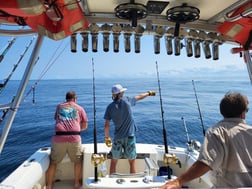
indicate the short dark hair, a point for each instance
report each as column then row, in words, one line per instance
column 70, row 95
column 233, row 104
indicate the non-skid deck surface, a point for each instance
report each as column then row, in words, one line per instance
column 64, row 185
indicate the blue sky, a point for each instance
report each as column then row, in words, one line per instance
column 67, row 65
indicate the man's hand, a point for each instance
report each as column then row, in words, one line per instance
column 151, row 93
column 108, row 141
column 171, row 184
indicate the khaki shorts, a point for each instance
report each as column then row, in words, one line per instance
column 60, row 149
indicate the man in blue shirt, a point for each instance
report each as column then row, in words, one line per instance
column 119, row 111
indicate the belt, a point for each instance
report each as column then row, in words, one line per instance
column 67, row 133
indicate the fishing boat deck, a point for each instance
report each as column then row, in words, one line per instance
column 66, row 184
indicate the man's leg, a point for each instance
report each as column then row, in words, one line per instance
column 77, row 174
column 50, row 175
column 113, row 166
column 132, row 163
column 130, row 152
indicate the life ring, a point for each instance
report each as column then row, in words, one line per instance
column 238, row 24
column 55, row 19
column 22, row 8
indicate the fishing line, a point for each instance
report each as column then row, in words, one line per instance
column 200, row 116
column 51, row 61
column 46, row 68
column 95, row 133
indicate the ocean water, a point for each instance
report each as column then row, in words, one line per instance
column 34, row 123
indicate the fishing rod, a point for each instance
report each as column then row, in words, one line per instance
column 200, row 116
column 95, row 133
column 10, row 43
column 186, row 131
column 162, row 112
column 191, row 144
column 167, row 157
column 16, row 65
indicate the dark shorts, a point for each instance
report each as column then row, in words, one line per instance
column 60, row 149
column 124, row 148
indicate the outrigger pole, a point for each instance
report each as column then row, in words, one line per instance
column 163, row 122
column 16, row 102
column 95, row 133
column 200, row 116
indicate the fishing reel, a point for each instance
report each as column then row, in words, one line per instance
column 171, row 159
column 193, row 145
column 97, row 159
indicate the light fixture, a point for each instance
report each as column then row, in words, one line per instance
column 131, row 11
column 128, row 32
column 73, row 43
column 168, row 41
column 159, row 33
column 94, row 29
column 106, row 32
column 181, row 15
column 116, row 29
column 139, row 32
column 84, row 41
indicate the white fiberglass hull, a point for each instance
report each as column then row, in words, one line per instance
column 31, row 174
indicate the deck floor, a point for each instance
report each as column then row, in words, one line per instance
column 64, row 185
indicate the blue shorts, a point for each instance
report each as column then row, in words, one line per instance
column 124, row 148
